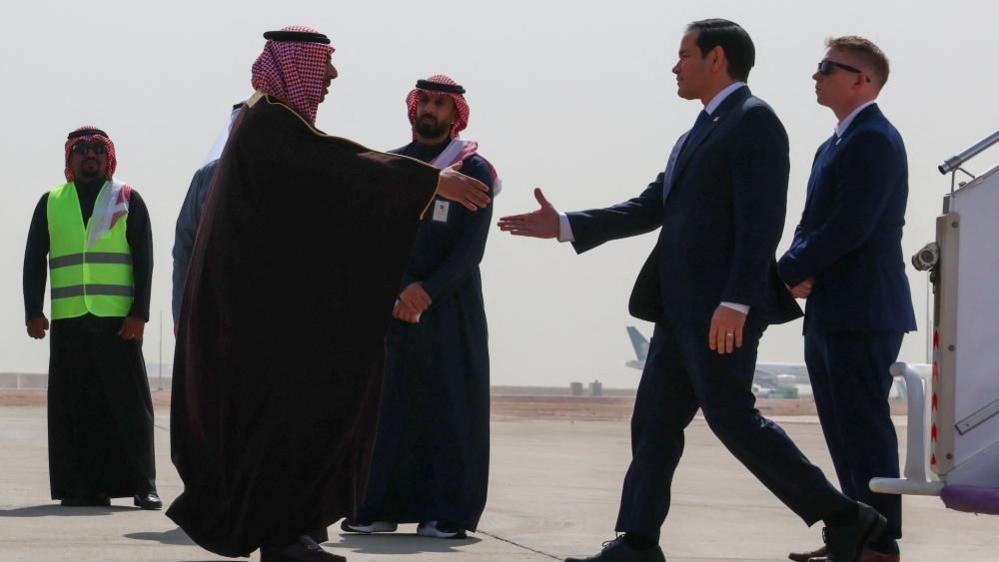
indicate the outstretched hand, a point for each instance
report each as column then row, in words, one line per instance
column 543, row 223
column 469, row 192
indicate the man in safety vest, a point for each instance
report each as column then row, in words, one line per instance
column 98, row 239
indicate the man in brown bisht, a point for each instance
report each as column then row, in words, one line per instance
column 278, row 370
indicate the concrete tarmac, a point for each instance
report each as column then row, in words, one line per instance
column 554, row 490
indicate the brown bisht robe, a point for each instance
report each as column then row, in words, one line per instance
column 278, row 366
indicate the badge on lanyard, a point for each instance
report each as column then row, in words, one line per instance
column 440, row 210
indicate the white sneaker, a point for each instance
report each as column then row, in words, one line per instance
column 376, row 527
column 430, row 529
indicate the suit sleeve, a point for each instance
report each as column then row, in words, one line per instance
column 799, row 230
column 869, row 165
column 469, row 248
column 633, row 217
column 186, row 228
column 760, row 168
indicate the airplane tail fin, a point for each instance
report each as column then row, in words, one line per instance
column 639, row 342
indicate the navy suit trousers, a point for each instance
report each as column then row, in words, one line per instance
column 681, row 375
column 850, row 379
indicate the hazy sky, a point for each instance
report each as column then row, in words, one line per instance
column 575, row 96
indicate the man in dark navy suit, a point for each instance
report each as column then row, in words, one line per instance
column 711, row 287
column 846, row 258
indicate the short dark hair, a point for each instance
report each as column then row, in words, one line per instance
column 734, row 41
column 864, row 49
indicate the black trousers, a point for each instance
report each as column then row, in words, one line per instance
column 431, row 456
column 681, row 375
column 100, row 413
column 851, row 381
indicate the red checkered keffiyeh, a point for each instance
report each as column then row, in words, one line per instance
column 91, row 134
column 293, row 72
column 459, row 102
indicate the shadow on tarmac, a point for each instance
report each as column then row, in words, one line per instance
column 174, row 536
column 398, row 543
column 56, row 510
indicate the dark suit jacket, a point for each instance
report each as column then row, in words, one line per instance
column 850, row 235
column 720, row 222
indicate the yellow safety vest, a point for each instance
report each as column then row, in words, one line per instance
column 97, row 280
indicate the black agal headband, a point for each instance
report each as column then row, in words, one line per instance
column 438, row 87
column 87, row 132
column 297, row 36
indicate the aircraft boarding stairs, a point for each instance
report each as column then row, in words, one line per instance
column 952, row 448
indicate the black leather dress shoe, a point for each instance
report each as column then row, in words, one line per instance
column 305, row 550
column 867, row 556
column 845, row 543
column 148, row 500
column 88, row 501
column 618, row 551
column 806, row 556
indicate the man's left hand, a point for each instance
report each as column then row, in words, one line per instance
column 803, row 290
column 132, row 328
column 725, row 334
column 405, row 313
column 416, row 297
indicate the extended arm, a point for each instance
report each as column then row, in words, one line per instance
column 591, row 228
column 635, row 216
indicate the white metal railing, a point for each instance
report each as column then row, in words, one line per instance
column 916, row 474
column 954, row 162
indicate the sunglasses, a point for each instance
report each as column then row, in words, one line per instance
column 82, row 148
column 826, row 67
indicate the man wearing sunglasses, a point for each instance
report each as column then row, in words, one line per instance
column 846, row 259
column 711, row 286
column 96, row 234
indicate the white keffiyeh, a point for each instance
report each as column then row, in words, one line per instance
column 457, row 151
column 110, row 207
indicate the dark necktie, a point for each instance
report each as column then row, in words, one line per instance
column 820, row 161
column 698, row 123
column 671, row 162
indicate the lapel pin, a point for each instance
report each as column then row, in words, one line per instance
column 838, row 140
column 716, row 119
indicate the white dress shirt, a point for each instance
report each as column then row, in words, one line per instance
column 843, row 125
column 565, row 228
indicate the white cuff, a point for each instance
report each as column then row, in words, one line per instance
column 736, row 306
column 565, row 229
